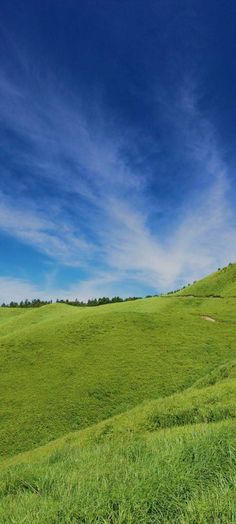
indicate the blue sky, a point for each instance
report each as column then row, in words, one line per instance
column 117, row 129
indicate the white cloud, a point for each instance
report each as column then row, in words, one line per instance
column 50, row 235
column 201, row 241
column 18, row 289
column 84, row 160
column 101, row 284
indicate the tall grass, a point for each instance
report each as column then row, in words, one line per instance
column 153, row 464
column 184, row 475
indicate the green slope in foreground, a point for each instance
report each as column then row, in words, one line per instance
column 168, row 461
column 222, row 283
column 119, row 414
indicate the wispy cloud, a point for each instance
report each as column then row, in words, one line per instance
column 53, row 237
column 203, row 234
column 18, row 289
column 201, row 240
column 98, row 209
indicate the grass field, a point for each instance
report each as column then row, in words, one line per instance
column 140, row 397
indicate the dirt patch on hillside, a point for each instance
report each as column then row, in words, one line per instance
column 210, row 319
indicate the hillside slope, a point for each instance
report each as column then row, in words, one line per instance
column 222, row 283
column 142, row 396
column 65, row 368
column 167, row 461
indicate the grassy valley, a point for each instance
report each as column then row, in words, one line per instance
column 123, row 413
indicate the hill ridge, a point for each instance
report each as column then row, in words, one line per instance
column 220, row 284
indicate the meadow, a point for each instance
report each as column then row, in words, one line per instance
column 120, row 414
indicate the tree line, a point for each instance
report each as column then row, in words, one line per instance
column 36, row 302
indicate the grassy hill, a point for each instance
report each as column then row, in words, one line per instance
column 222, row 283
column 170, row 461
column 119, row 414
column 65, row 368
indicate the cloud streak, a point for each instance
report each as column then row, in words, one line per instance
column 97, row 209
column 50, row 236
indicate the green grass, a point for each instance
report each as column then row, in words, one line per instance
column 222, row 283
column 120, row 414
column 65, row 368
column 154, row 464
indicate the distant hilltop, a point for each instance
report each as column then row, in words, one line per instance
column 222, row 283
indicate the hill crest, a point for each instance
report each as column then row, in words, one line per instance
column 221, row 283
